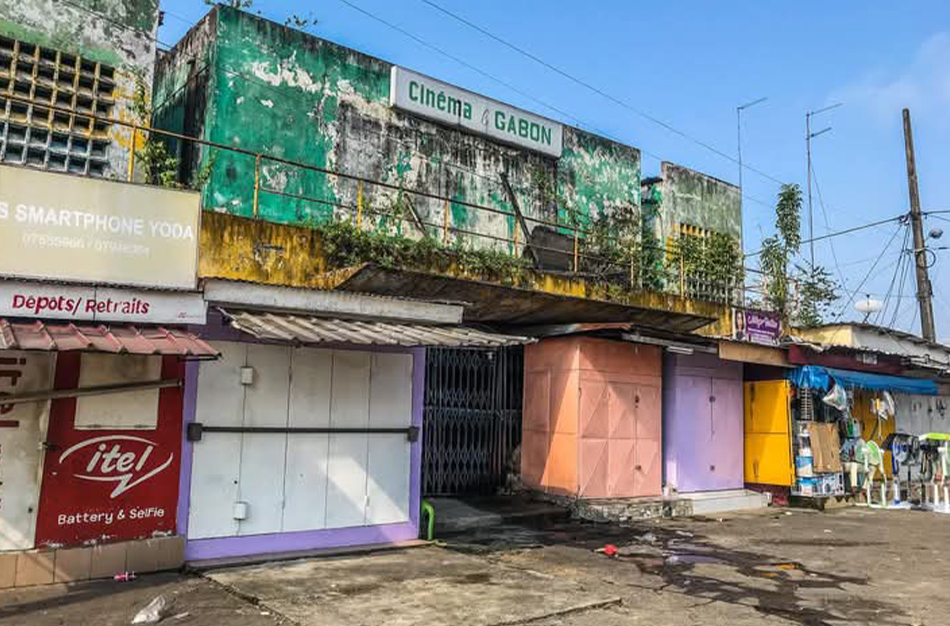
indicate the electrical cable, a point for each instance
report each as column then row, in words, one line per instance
column 905, row 272
column 581, row 123
column 422, row 42
column 890, row 288
column 868, row 275
column 847, row 231
column 824, row 213
column 601, row 92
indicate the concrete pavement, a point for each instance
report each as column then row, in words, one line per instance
column 846, row 567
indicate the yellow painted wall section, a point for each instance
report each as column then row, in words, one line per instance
column 237, row 248
column 240, row 248
column 872, row 429
column 836, row 335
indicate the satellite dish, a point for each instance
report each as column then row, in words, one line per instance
column 868, row 305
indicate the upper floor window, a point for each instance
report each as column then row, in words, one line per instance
column 46, row 99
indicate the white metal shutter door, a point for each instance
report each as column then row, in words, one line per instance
column 263, row 455
column 20, row 450
column 346, row 469
column 390, row 406
column 305, row 483
column 216, row 462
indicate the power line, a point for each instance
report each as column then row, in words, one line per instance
column 581, row 123
column 868, row 275
column 844, row 232
column 905, row 267
column 824, row 213
column 890, row 288
column 601, row 92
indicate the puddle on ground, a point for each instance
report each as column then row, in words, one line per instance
column 691, row 559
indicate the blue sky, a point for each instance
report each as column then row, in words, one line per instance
column 690, row 63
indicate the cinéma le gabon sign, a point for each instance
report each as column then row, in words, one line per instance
column 441, row 102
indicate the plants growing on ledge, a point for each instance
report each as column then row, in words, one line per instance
column 345, row 245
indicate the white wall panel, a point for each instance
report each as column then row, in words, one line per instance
column 131, row 410
column 263, row 456
column 349, row 408
column 20, row 450
column 301, row 481
column 388, row 483
column 388, row 459
column 217, row 457
column 391, row 390
column 305, row 488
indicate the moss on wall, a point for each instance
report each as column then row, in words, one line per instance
column 285, row 93
column 117, row 32
column 693, row 198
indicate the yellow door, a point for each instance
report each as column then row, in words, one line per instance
column 768, row 459
column 768, row 443
column 766, row 406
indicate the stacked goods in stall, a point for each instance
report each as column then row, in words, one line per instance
column 818, row 469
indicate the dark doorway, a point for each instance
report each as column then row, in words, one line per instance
column 472, row 421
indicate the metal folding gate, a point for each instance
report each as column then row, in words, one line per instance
column 472, row 420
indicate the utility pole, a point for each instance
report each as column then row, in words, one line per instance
column 924, row 288
column 808, row 137
column 739, row 110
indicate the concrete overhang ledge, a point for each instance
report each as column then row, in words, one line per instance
column 329, row 303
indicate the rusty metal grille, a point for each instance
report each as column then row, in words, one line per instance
column 33, row 133
column 472, row 420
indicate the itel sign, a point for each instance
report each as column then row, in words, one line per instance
column 109, row 485
column 120, row 459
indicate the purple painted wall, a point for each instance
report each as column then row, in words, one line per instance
column 702, row 423
column 225, row 547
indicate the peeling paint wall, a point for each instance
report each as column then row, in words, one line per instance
column 691, row 198
column 284, row 93
column 118, row 34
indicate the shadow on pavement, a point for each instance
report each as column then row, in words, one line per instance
column 689, row 563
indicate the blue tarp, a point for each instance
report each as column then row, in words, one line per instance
column 817, row 377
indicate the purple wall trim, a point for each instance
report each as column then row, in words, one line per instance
column 189, row 409
column 415, row 451
column 226, row 547
column 307, row 540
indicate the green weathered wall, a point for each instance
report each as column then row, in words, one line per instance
column 117, row 32
column 282, row 92
column 690, row 197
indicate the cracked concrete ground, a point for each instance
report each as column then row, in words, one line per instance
column 841, row 568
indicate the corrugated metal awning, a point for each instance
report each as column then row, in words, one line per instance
column 65, row 336
column 302, row 328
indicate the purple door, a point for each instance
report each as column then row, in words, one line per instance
column 726, row 441
column 692, row 433
column 706, row 438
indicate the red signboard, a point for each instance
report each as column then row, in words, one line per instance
column 109, row 485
